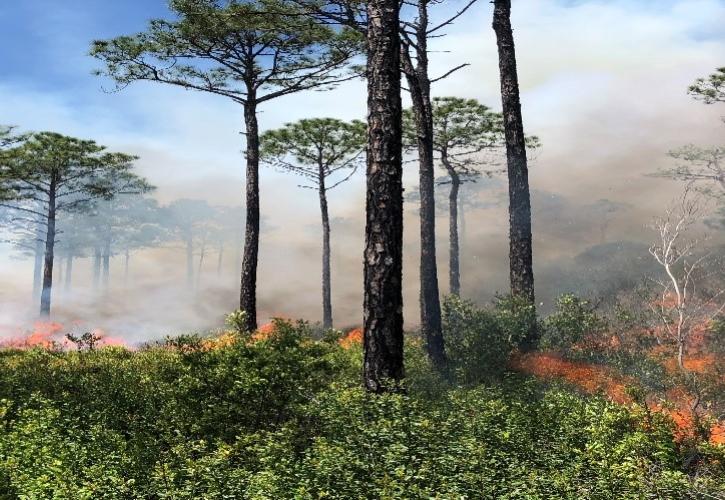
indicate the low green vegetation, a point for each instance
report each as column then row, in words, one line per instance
column 285, row 417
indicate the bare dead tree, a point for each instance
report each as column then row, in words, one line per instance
column 683, row 303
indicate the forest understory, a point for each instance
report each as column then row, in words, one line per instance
column 598, row 412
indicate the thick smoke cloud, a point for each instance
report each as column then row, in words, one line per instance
column 603, row 87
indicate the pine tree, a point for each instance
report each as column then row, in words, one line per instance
column 51, row 173
column 520, row 241
column 383, row 257
column 326, row 152
column 249, row 51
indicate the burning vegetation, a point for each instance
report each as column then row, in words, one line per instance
column 278, row 409
column 55, row 336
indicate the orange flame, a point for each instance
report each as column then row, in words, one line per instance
column 50, row 334
column 594, row 379
column 353, row 337
column 591, row 378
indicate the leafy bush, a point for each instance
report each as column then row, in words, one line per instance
column 477, row 345
column 237, row 321
column 284, row 417
column 515, row 316
column 573, row 319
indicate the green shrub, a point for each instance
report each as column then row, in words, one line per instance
column 478, row 347
column 237, row 321
column 515, row 316
column 284, row 417
column 511, row 441
column 573, row 319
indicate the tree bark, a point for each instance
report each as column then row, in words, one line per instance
column 45, row 294
column 454, row 266
column 419, row 84
column 106, row 262
column 520, row 246
column 248, row 293
column 189, row 261
column 220, row 259
column 383, row 256
column 68, row 272
column 96, row 267
column 326, row 275
column 38, row 267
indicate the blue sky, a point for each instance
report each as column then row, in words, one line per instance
column 43, row 43
column 577, row 58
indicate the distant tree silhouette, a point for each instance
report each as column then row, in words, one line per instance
column 51, row 173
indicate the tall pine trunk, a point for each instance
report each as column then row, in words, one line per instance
column 45, row 294
column 38, row 266
column 454, row 256
column 248, row 292
column 68, row 272
column 520, row 246
column 419, row 84
column 383, row 257
column 126, row 261
column 326, row 276
column 106, row 262
column 189, row 261
column 96, row 267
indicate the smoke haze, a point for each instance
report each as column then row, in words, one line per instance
column 603, row 86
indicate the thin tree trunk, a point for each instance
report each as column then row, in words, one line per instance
column 220, row 259
column 454, row 267
column 326, row 278
column 520, row 246
column 38, row 267
column 96, row 267
column 248, row 292
column 419, row 84
column 59, row 278
column 202, row 254
column 106, row 262
column 383, row 257
column 49, row 249
column 189, row 261
column 68, row 272
column 127, row 256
